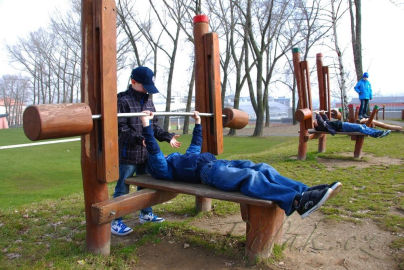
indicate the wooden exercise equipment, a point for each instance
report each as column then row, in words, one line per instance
column 50, row 121
column 99, row 141
column 304, row 113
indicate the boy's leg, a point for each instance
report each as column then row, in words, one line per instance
column 121, row 188
column 227, row 176
column 362, row 108
column 362, row 128
column 125, row 171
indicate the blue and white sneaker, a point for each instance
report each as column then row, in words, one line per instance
column 120, row 228
column 149, row 217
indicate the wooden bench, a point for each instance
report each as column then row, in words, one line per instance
column 264, row 219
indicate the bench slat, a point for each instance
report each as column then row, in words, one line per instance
column 313, row 131
column 195, row 189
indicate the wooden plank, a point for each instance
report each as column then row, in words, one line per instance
column 213, row 93
column 313, row 131
column 195, row 189
column 109, row 210
column 107, row 154
column 98, row 237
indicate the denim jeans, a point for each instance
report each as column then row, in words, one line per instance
column 362, row 128
column 256, row 180
column 364, row 107
column 121, row 188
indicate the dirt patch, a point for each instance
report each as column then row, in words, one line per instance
column 367, row 160
column 311, row 243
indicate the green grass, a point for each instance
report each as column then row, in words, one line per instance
column 41, row 200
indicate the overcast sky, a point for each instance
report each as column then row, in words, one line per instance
column 382, row 38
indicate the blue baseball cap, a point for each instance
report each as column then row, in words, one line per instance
column 365, row 75
column 145, row 76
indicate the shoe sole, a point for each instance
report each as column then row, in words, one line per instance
column 320, row 203
column 122, row 234
column 336, row 188
column 145, row 221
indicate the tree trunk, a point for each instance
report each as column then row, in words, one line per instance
column 356, row 31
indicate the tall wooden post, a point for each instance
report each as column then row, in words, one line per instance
column 302, row 150
column 201, row 27
column 322, row 140
column 99, row 154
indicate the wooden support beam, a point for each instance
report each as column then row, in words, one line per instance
column 96, row 19
column 263, row 230
column 109, row 210
column 214, row 125
column 201, row 27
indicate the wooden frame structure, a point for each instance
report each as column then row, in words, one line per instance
column 305, row 110
column 99, row 147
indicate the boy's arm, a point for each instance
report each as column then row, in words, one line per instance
column 156, row 162
column 196, row 143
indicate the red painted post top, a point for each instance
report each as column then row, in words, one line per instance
column 202, row 18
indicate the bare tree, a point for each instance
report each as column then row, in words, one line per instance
column 356, row 33
column 336, row 14
column 14, row 91
column 265, row 33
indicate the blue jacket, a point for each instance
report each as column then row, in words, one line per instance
column 364, row 89
column 176, row 166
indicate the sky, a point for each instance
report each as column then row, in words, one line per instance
column 382, row 39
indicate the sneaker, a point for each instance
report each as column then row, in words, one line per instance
column 385, row 133
column 149, row 217
column 335, row 186
column 312, row 200
column 120, row 228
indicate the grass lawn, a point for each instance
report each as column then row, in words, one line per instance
column 41, row 202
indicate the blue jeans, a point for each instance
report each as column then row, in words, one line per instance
column 364, row 107
column 256, row 180
column 121, row 188
column 362, row 128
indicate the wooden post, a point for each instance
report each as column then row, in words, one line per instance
column 302, row 150
column 264, row 229
column 322, row 140
column 98, row 90
column 201, row 27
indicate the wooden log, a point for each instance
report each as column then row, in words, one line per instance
column 321, row 82
column 327, row 91
column 303, row 114
column 201, row 27
column 50, row 121
column 306, row 103
column 111, row 209
column 322, row 143
column 302, row 149
column 359, row 139
column 263, row 230
column 235, row 118
column 383, row 125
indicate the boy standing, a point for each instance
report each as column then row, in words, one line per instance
column 132, row 151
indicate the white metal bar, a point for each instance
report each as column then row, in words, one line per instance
column 98, row 116
column 39, row 143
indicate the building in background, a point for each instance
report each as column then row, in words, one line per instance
column 393, row 106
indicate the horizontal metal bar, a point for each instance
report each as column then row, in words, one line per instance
column 38, row 143
column 98, row 116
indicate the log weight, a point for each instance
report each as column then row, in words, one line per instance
column 50, row 121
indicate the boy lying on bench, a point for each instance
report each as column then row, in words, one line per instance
column 322, row 123
column 255, row 180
